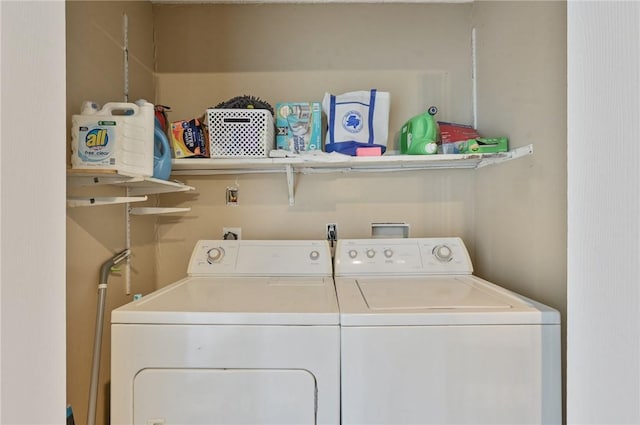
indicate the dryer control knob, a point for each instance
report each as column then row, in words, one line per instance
column 443, row 253
column 353, row 253
column 388, row 253
column 314, row 255
column 215, row 255
column 371, row 253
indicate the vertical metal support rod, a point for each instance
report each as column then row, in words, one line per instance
column 127, row 244
column 474, row 77
column 125, row 49
column 127, row 229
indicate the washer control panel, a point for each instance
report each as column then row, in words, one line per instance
column 402, row 256
column 260, row 258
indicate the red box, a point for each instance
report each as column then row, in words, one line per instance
column 451, row 132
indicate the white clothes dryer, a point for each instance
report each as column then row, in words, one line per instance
column 423, row 341
column 250, row 336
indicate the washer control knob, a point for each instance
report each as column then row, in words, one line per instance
column 215, row 255
column 388, row 253
column 314, row 255
column 443, row 253
column 371, row 253
column 353, row 253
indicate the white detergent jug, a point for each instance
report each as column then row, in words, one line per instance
column 120, row 137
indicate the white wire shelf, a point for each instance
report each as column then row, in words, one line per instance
column 341, row 164
column 137, row 186
column 157, row 210
column 102, row 200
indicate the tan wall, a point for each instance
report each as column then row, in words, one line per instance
column 94, row 234
column 511, row 216
column 434, row 204
column 521, row 205
column 287, row 53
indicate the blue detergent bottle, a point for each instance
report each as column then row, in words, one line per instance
column 161, row 153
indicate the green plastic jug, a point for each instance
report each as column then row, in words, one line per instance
column 419, row 135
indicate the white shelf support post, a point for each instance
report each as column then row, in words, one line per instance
column 125, row 52
column 474, row 77
column 127, row 242
column 290, row 184
column 127, row 209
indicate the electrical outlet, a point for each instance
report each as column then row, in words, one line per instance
column 232, row 233
column 232, row 195
column 332, row 232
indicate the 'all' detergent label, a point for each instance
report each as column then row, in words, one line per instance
column 96, row 143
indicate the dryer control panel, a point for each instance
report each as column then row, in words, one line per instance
column 260, row 258
column 402, row 257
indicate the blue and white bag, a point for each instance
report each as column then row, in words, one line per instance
column 356, row 119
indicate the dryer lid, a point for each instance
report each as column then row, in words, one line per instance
column 433, row 300
column 276, row 300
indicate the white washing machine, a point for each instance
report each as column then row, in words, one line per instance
column 251, row 336
column 423, row 341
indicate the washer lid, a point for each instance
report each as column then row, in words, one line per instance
column 434, row 300
column 237, row 301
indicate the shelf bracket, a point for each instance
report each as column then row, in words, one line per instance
column 290, row 183
column 507, row 156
